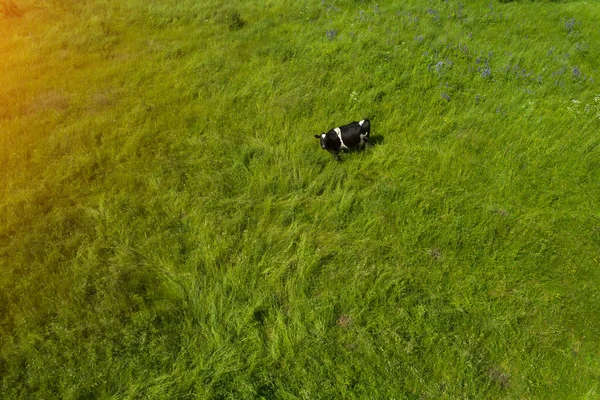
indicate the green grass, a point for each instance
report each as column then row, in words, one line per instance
column 169, row 227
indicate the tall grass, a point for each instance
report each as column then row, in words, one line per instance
column 171, row 229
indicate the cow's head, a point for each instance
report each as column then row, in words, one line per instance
column 321, row 137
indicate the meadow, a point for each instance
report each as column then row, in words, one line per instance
column 170, row 229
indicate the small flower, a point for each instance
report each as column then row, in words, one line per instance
column 575, row 108
column 486, row 73
column 445, row 96
column 434, row 13
column 331, row 33
column 570, row 25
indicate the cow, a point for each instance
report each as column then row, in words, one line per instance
column 347, row 137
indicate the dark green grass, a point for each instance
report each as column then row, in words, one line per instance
column 171, row 229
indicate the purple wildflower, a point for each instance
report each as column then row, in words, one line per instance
column 570, row 25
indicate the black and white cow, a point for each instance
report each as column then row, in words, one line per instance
column 352, row 136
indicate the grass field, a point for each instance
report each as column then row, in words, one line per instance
column 170, row 229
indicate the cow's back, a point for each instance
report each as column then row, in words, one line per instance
column 355, row 133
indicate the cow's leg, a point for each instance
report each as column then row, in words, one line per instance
column 336, row 155
column 364, row 141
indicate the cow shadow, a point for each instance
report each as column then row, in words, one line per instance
column 376, row 140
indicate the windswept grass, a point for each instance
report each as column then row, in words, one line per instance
column 169, row 227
